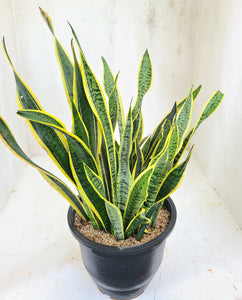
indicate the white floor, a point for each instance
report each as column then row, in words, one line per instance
column 40, row 260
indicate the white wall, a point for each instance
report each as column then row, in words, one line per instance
column 189, row 42
column 218, row 65
column 10, row 166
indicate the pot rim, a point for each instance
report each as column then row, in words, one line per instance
column 137, row 248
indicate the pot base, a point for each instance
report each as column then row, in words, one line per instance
column 123, row 295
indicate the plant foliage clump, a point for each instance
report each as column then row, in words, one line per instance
column 121, row 185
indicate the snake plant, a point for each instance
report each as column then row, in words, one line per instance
column 120, row 185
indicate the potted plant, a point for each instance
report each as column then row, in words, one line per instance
column 121, row 186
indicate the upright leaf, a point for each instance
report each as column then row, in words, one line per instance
column 158, row 130
column 65, row 63
column 165, row 131
column 184, row 117
column 99, row 107
column 83, row 107
column 156, row 179
column 144, row 82
column 113, row 105
column 123, row 177
column 111, row 210
column 137, row 196
column 195, row 93
column 139, row 161
column 109, row 85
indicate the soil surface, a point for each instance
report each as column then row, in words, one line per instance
column 99, row 236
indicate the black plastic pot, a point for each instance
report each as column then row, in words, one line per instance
column 123, row 272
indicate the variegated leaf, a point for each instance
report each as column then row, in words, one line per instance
column 184, row 117
column 46, row 137
column 8, row 138
column 109, row 85
column 65, row 63
column 137, row 220
column 123, row 176
column 97, row 102
column 137, row 195
column 144, row 82
column 173, row 179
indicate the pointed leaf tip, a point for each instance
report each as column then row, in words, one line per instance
column 47, row 20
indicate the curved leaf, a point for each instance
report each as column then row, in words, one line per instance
column 137, row 195
column 8, row 138
column 96, row 194
column 46, row 137
column 210, row 107
column 173, row 179
column 139, row 219
column 151, row 214
column 78, row 149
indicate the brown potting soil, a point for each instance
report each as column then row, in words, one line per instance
column 104, row 238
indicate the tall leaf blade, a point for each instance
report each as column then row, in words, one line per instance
column 165, row 131
column 184, row 117
column 174, row 142
column 123, row 176
column 78, row 126
column 113, row 105
column 99, row 107
column 84, row 109
column 64, row 61
column 144, row 82
column 109, row 85
column 139, row 162
column 137, row 196
column 157, row 177
column 112, row 211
